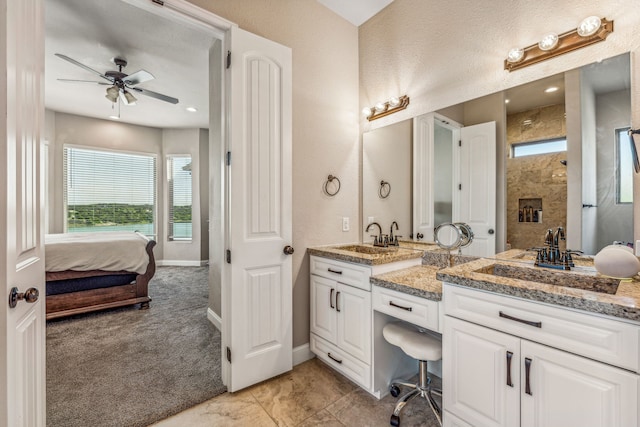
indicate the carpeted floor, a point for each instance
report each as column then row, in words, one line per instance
column 130, row 367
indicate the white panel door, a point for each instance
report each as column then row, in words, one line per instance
column 481, row 374
column 571, row 391
column 259, row 210
column 423, row 147
column 354, row 321
column 477, row 205
column 22, row 335
column 323, row 319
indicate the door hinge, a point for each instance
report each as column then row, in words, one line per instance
column 160, row 2
column 228, row 59
column 228, row 355
column 228, row 256
column 459, row 186
column 460, row 143
column 228, row 158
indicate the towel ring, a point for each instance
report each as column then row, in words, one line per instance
column 330, row 180
column 384, row 190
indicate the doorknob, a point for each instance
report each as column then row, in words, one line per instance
column 288, row 250
column 491, row 231
column 30, row 295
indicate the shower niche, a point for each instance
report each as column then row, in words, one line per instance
column 530, row 210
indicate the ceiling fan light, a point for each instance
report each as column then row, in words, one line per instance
column 112, row 94
column 131, row 100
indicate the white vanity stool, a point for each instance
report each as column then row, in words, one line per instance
column 422, row 347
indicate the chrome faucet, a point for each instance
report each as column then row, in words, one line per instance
column 377, row 240
column 393, row 240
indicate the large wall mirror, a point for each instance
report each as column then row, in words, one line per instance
column 567, row 159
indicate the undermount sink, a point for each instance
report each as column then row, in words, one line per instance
column 367, row 249
column 579, row 260
column 558, row 278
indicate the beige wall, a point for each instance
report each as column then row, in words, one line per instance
column 325, row 124
column 442, row 56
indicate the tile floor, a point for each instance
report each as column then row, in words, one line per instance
column 311, row 395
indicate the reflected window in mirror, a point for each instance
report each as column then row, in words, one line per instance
column 546, row 146
column 624, row 175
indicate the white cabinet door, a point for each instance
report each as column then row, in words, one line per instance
column 353, row 307
column 566, row 390
column 481, row 374
column 323, row 315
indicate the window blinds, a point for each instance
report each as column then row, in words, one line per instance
column 109, row 191
column 180, row 193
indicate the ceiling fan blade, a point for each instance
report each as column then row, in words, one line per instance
column 84, row 81
column 138, row 77
column 74, row 62
column 156, row 95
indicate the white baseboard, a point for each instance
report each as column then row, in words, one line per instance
column 180, row 263
column 302, row 354
column 215, row 319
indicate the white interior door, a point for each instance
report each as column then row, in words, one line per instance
column 477, row 205
column 22, row 334
column 258, row 290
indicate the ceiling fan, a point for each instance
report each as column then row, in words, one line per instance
column 121, row 85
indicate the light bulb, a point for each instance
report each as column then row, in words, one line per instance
column 548, row 42
column 394, row 102
column 366, row 111
column 589, row 26
column 380, row 107
column 515, row 55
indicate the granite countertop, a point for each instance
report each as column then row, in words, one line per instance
column 419, row 281
column 624, row 303
column 381, row 255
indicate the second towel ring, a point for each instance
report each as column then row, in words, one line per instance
column 330, row 180
column 384, row 190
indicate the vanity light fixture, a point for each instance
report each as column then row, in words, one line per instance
column 382, row 109
column 590, row 30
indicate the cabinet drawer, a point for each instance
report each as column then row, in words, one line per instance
column 606, row 340
column 343, row 272
column 416, row 310
column 341, row 361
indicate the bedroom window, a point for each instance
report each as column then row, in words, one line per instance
column 180, row 190
column 109, row 191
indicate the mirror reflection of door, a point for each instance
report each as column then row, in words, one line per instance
column 568, row 158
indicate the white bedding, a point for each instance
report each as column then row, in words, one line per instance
column 110, row 251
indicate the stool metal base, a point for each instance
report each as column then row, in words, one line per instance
column 422, row 388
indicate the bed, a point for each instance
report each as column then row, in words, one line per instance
column 95, row 271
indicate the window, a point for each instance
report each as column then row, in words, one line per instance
column 539, row 147
column 179, row 177
column 624, row 169
column 109, row 191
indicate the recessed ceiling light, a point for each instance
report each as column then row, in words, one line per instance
column 551, row 89
column 506, row 101
column 114, row 117
column 191, row 109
